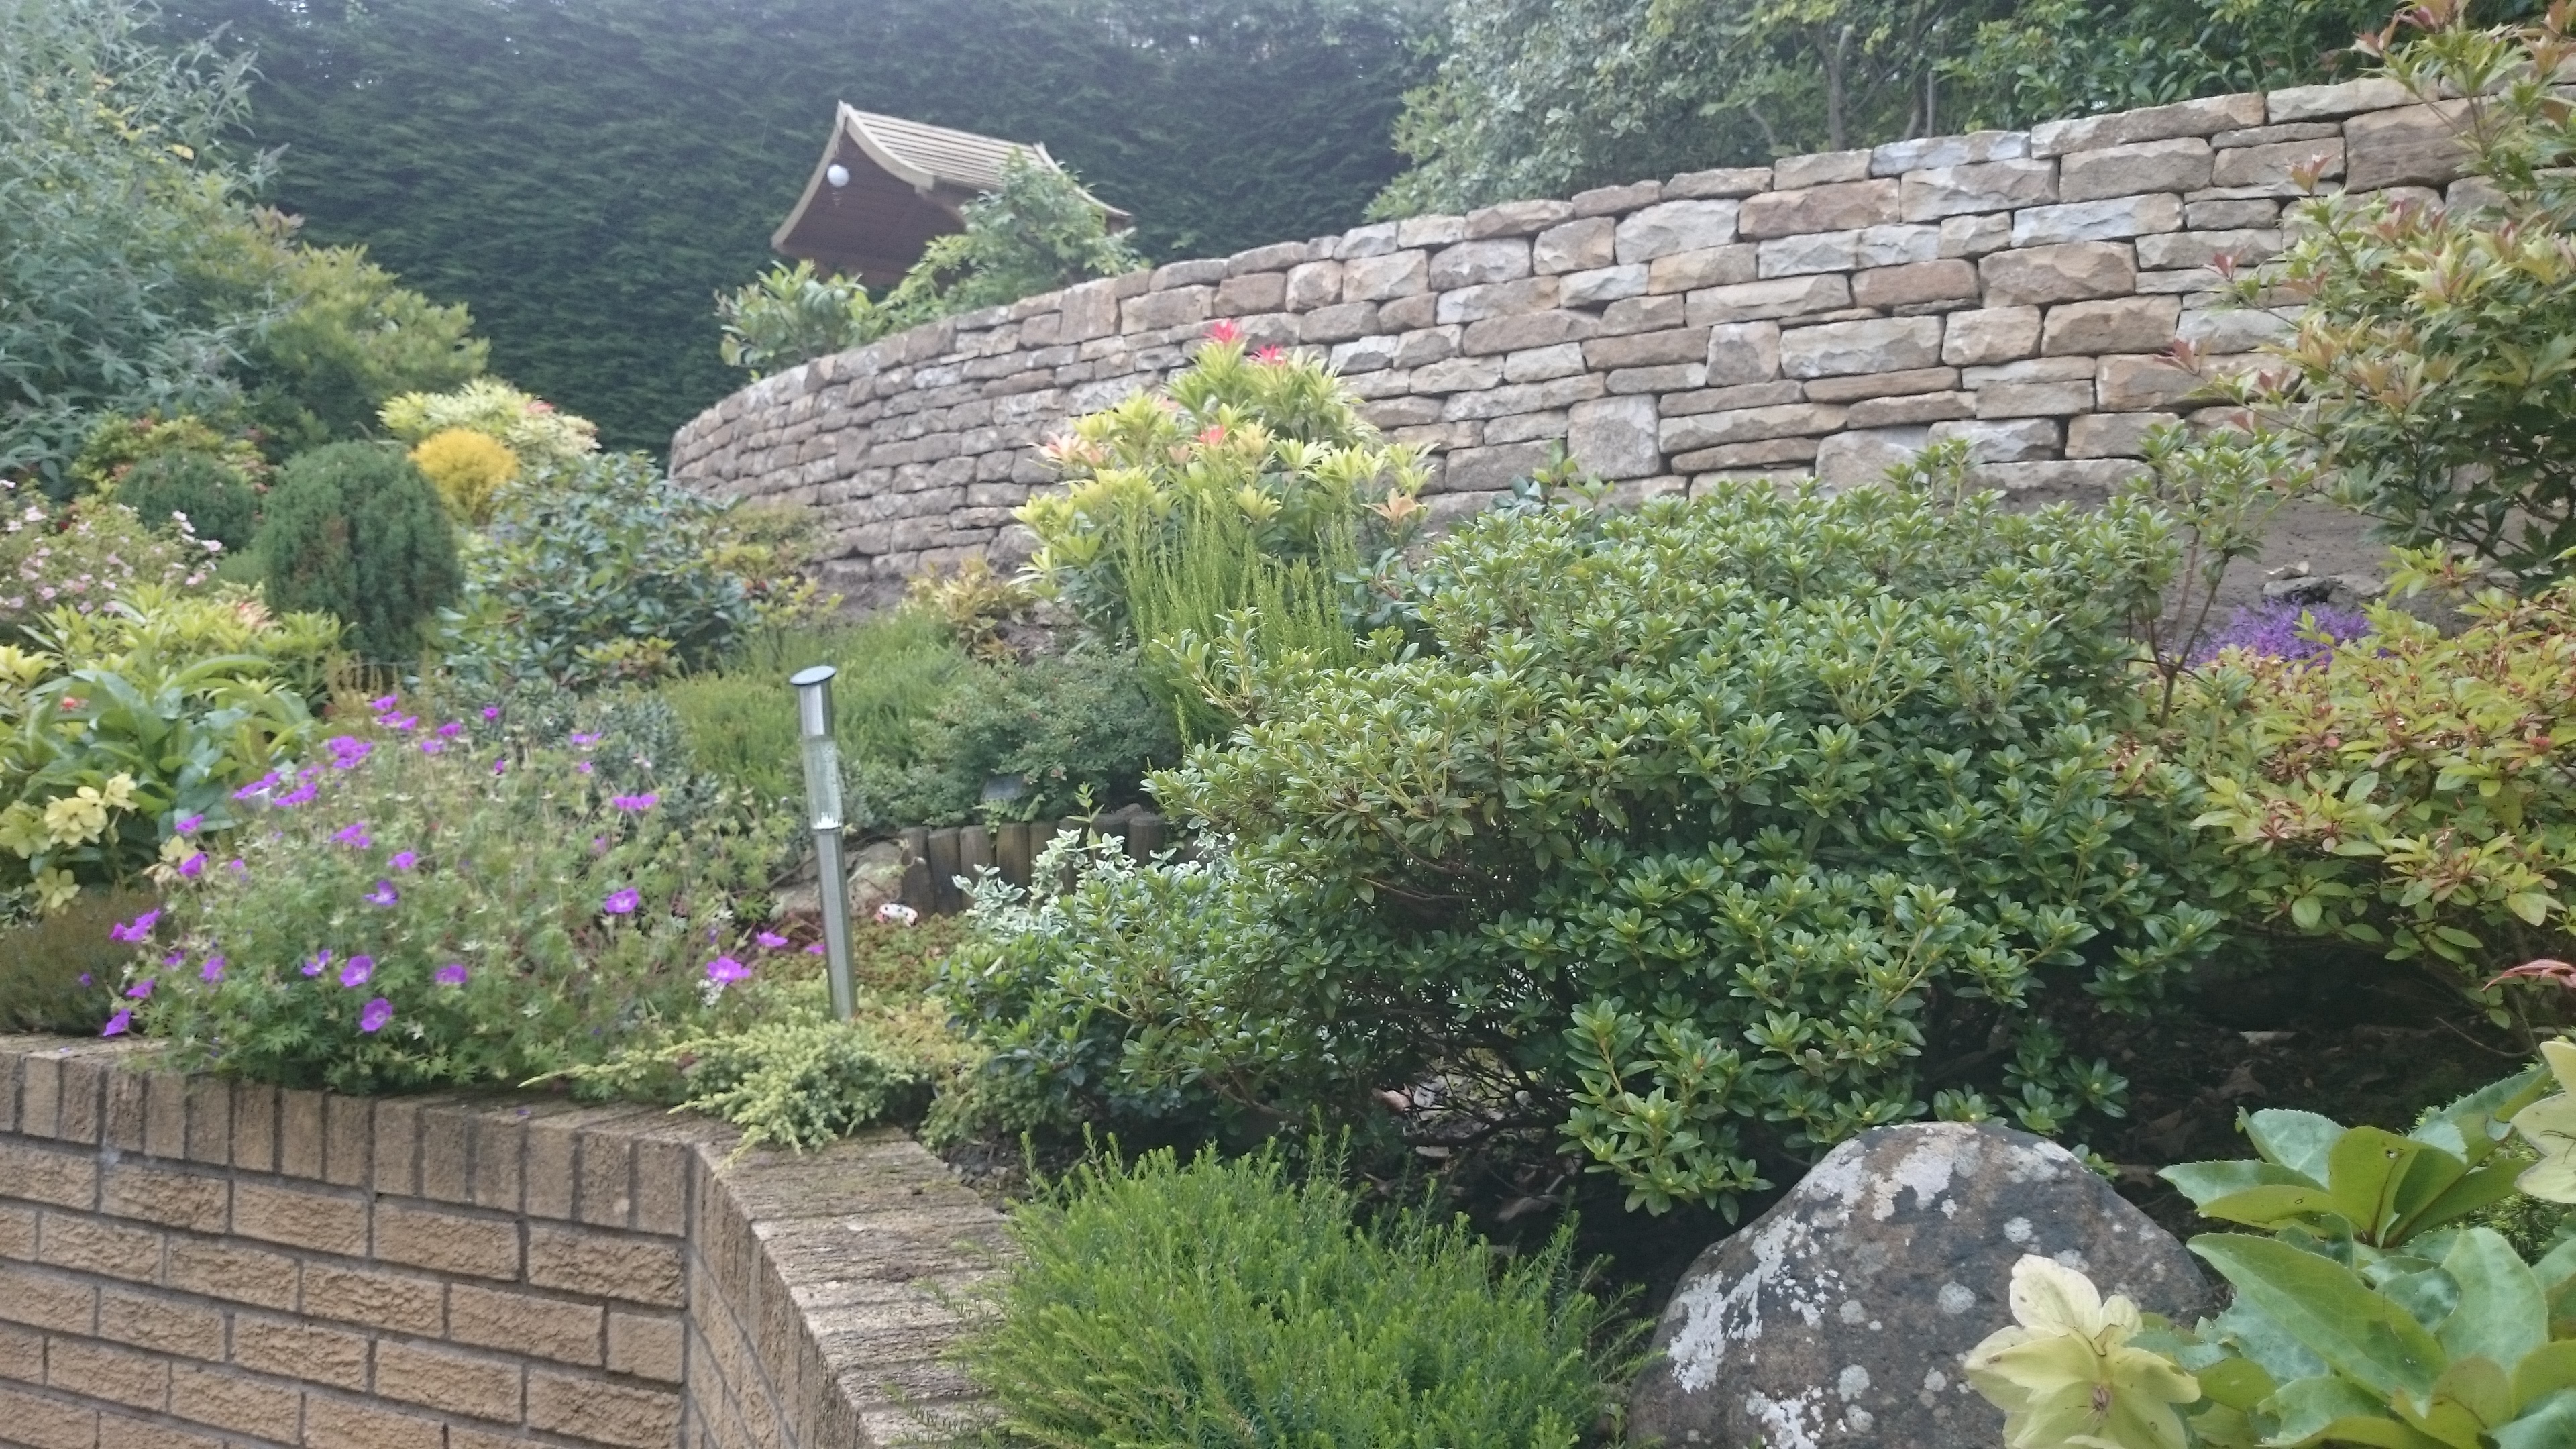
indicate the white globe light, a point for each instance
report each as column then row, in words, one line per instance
column 837, row 174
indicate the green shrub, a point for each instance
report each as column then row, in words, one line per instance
column 1217, row 1304
column 117, row 444
column 1695, row 833
column 2409, row 792
column 606, row 572
column 1250, row 483
column 1076, row 733
column 127, row 721
column 789, row 315
column 350, row 337
column 211, row 494
column 895, row 669
column 59, row 973
column 355, row 531
column 419, row 908
column 83, row 555
column 537, row 433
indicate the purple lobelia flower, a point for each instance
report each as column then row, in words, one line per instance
column 451, row 974
column 358, row 970
column 373, row 1016
column 2280, row 629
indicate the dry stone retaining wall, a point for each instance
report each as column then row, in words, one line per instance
column 191, row 1263
column 1828, row 313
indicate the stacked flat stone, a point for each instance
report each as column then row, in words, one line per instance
column 1829, row 314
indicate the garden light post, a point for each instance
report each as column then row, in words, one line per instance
column 823, row 813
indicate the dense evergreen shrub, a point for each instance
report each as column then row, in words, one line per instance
column 1694, row 838
column 216, row 500
column 1075, row 733
column 354, row 530
column 1217, row 1305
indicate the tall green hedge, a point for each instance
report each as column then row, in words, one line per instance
column 588, row 173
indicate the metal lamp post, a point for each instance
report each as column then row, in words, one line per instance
column 823, row 813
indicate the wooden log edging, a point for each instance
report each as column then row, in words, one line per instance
column 935, row 858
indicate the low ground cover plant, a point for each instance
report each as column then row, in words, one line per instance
column 1219, row 1302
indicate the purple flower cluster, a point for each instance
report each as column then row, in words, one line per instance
column 2301, row 633
column 347, row 751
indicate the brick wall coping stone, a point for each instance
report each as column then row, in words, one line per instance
column 189, row 1262
column 1825, row 314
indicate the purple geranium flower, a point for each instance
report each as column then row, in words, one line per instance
column 174, row 958
column 358, row 970
column 187, row 824
column 634, row 802
column 383, row 895
column 117, row 1024
column 354, row 835
column 724, row 971
column 491, row 711
column 399, row 721
column 260, row 786
column 347, row 750
column 213, row 970
column 433, row 747
column 140, row 990
column 84, row 978
column 193, row 866
column 295, row 797
column 584, row 741
column 814, row 950
column 451, row 729
column 319, row 961
column 404, row 860
column 236, row 867
column 2281, row 629
column 384, row 702
column 451, row 974
column 501, row 767
column 771, row 941
column 581, row 767
column 373, row 1016
column 139, row 929
column 622, row 902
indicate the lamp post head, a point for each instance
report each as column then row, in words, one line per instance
column 814, row 700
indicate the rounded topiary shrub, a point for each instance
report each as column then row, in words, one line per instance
column 354, row 530
column 211, row 492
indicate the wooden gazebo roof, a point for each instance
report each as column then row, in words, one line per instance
column 907, row 183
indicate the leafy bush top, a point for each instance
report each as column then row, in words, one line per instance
column 532, row 429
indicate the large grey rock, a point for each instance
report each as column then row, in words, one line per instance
column 1837, row 1319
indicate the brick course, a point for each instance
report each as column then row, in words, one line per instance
column 198, row 1264
column 1447, row 325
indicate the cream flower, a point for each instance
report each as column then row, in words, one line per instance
column 2550, row 1126
column 2065, row 1376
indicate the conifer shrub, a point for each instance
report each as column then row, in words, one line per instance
column 1217, row 1303
column 355, row 531
column 467, row 468
column 209, row 491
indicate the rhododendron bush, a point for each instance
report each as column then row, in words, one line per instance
column 420, row 904
column 80, row 555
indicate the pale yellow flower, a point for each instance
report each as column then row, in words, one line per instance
column 2550, row 1126
column 119, row 793
column 55, row 889
column 2065, row 1376
column 77, row 818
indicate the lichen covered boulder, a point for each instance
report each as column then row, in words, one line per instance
column 1837, row 1319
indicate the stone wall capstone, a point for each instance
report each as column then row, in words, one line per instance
column 1827, row 314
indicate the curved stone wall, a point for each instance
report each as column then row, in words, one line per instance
column 1825, row 314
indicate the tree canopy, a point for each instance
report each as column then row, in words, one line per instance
column 587, row 174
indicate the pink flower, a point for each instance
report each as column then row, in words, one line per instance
column 1224, row 331
column 137, row 930
column 373, row 1016
column 771, row 941
column 491, row 711
column 117, row 1024
column 1272, row 355
column 814, row 950
column 451, row 974
column 622, row 902
column 1213, row 435
column 358, row 970
column 724, row 971
column 213, row 970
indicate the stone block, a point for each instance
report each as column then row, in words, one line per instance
column 1974, row 236
column 398, row 1301
column 1922, row 407
column 2122, row 324
column 2345, row 98
column 2072, row 273
column 2231, row 329
column 1458, row 374
column 52, row 1176
column 445, row 1242
column 1516, row 218
column 46, row 1300
column 1524, row 427
column 1754, row 301
column 1498, row 299
column 1534, row 329
column 1576, row 246
column 1374, row 240
column 1276, row 257
column 1427, row 345
column 1668, row 227
column 1819, row 168
column 1881, row 345
column 1943, row 191
column 2085, row 221
column 2034, row 399
column 2269, row 135
column 1902, row 244
column 1743, row 352
column 221, row 1399
column 2255, row 212
column 2082, row 480
column 2180, row 249
column 1474, row 263
column 634, row 1270
column 1612, row 200
column 1313, row 285
column 2410, row 146
column 1615, row 437
column 1365, row 354
column 1179, row 307
column 1844, row 206
column 2021, row 440
column 1430, row 231
column 1539, row 364
column 2267, row 168
column 1798, row 256
column 1725, row 181
column 1729, row 399
column 88, row 1245
column 1341, row 322
column 1603, row 284
column 1485, row 469
column 1898, row 157
column 1378, row 278
column 647, row 1345
column 2112, row 435
column 1769, row 452
column 447, row 1380
column 299, row 1350
column 1706, row 267
column 525, row 1323
column 1166, row 278
column 1746, row 425
column 346, row 1424
column 1953, row 280
column 1648, row 349
column 1990, row 334
column 2181, row 163
column 2205, row 117
column 1401, row 412
column 1665, row 378
column 1862, row 456
column 1861, row 385
column 1252, row 292
column 2136, row 384
column 1643, row 314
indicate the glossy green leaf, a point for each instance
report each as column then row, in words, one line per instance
column 2331, row 1312
column 2310, row 1410
column 2367, row 1169
column 2300, row 1141
column 2206, row 1182
column 2550, row 1424
column 2502, row 1314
